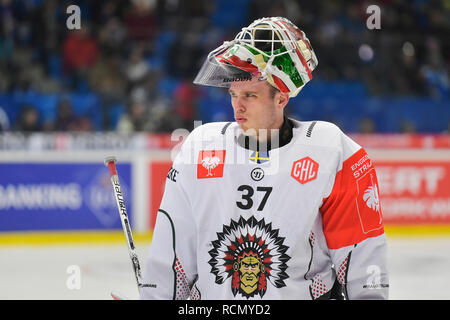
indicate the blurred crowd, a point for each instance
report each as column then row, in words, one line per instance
column 138, row 57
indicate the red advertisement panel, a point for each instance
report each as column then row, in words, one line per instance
column 403, row 141
column 414, row 191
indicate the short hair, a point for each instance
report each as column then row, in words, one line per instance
column 273, row 90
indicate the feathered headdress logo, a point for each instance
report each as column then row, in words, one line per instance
column 252, row 254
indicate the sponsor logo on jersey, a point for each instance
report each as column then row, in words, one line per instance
column 368, row 199
column 252, row 255
column 361, row 166
column 172, row 175
column 372, row 198
column 304, row 170
column 368, row 202
column 257, row 174
column 260, row 157
column 210, row 164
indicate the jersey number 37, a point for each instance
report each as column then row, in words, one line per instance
column 247, row 193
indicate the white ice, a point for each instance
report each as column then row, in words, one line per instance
column 419, row 269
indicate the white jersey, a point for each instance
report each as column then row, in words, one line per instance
column 237, row 224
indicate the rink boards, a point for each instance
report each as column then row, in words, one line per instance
column 47, row 192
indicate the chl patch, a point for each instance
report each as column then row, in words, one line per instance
column 304, row 170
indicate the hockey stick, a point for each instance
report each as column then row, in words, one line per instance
column 110, row 162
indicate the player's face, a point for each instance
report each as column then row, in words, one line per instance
column 255, row 107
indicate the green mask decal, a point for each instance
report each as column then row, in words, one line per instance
column 282, row 62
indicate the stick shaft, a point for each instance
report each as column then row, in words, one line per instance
column 110, row 162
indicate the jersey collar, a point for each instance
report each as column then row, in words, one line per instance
column 285, row 136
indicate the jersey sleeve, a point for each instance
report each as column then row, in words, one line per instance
column 170, row 269
column 353, row 225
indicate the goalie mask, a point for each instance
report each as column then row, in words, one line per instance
column 272, row 47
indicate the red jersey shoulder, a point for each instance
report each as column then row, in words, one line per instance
column 352, row 212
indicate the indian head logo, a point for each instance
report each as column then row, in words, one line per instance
column 210, row 164
column 252, row 254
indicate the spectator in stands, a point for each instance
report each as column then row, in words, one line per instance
column 140, row 21
column 65, row 118
column 84, row 124
column 409, row 57
column 163, row 119
column 410, row 81
column 185, row 102
column 28, row 120
column 80, row 49
column 4, row 121
column 136, row 68
column 108, row 81
column 80, row 52
column 112, row 36
column 135, row 119
column 407, row 126
column 184, row 53
column 367, row 125
column 434, row 71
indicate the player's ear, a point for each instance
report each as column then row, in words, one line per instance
column 282, row 99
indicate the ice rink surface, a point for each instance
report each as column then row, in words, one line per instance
column 419, row 269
